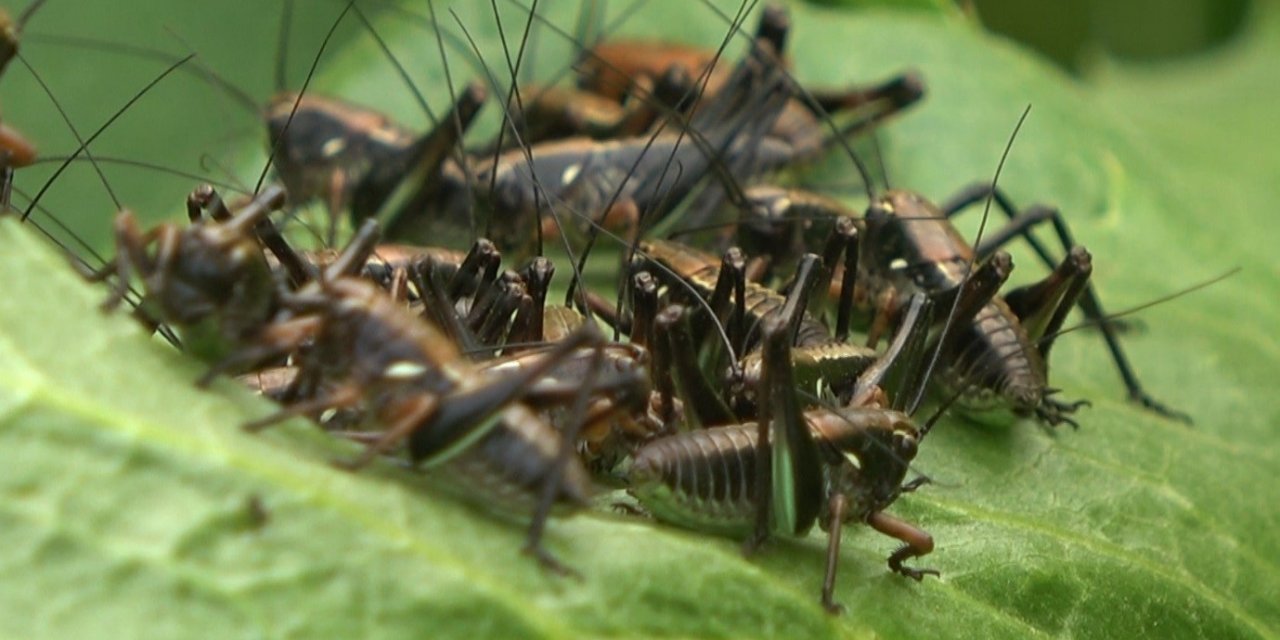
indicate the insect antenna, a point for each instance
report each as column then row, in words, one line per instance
column 84, row 144
column 539, row 190
column 72, row 128
column 879, row 153
column 457, row 121
column 34, row 202
column 513, row 92
column 315, row 62
column 955, row 305
column 212, row 164
column 595, row 226
column 684, row 130
column 580, row 43
column 1087, row 324
column 723, row 176
column 400, row 70
column 28, row 12
column 838, row 135
column 149, row 166
column 544, row 197
column 719, row 171
column 196, row 68
column 973, row 377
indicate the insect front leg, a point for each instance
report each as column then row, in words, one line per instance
column 918, row 543
column 131, row 245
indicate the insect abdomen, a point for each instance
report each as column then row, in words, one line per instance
column 995, row 355
column 702, row 480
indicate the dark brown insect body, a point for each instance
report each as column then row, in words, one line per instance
column 618, row 69
column 999, row 356
column 786, row 471
column 209, row 278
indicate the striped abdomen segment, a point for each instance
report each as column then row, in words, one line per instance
column 995, row 356
column 702, row 480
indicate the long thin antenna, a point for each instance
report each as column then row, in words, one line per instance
column 275, row 148
column 1146, row 305
column 200, row 70
column 457, row 122
column 513, row 92
column 84, row 145
column 141, row 164
column 400, row 70
column 955, row 304
column 72, row 128
column 28, row 12
column 817, row 108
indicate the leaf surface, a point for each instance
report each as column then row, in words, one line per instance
column 134, row 506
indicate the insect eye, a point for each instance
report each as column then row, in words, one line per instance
column 904, row 445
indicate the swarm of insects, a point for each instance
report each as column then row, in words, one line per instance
column 737, row 403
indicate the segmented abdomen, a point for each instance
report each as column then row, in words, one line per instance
column 702, row 480
column 995, row 356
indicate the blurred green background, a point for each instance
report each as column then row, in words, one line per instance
column 1077, row 34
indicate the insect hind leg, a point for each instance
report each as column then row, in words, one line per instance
column 1020, row 225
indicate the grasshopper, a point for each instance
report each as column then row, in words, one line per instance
column 911, row 247
column 788, row 469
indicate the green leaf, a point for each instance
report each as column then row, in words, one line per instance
column 133, row 506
